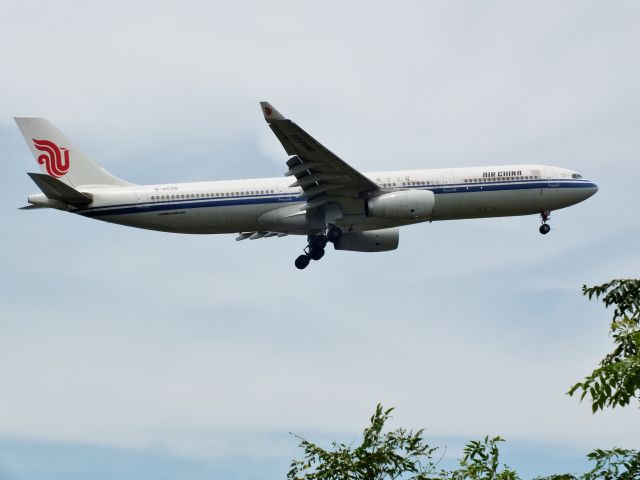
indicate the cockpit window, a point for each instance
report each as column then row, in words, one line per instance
column 576, row 175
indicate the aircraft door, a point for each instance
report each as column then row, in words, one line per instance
column 549, row 194
column 449, row 183
column 281, row 191
column 141, row 198
column 448, row 204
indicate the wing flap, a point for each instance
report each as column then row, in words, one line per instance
column 259, row 234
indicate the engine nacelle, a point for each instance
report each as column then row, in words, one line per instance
column 404, row 205
column 372, row 241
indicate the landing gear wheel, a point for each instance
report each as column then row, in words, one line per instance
column 316, row 253
column 318, row 242
column 334, row 234
column 302, row 261
column 544, row 229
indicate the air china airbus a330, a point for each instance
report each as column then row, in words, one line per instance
column 321, row 196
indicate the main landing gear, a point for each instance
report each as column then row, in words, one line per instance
column 315, row 249
column 545, row 228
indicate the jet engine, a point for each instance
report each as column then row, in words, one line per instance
column 404, row 205
column 372, row 241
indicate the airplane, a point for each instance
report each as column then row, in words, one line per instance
column 320, row 195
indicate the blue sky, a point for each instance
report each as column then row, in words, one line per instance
column 126, row 353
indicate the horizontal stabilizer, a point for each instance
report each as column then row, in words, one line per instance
column 31, row 207
column 57, row 190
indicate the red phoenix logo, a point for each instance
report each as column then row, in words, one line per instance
column 268, row 111
column 52, row 158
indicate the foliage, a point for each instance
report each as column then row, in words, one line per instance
column 403, row 454
column 617, row 380
column 395, row 454
column 481, row 462
column 614, row 464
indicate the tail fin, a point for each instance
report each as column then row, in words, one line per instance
column 59, row 158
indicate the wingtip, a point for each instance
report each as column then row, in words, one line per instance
column 270, row 113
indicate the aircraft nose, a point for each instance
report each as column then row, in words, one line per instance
column 591, row 189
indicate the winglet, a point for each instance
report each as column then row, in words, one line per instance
column 270, row 113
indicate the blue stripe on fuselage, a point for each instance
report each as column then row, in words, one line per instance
column 284, row 198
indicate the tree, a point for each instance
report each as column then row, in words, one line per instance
column 481, row 461
column 617, row 380
column 403, row 454
column 379, row 457
column 614, row 464
column 396, row 454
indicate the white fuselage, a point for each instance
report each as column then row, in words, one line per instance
column 269, row 204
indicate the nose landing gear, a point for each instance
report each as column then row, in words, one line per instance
column 545, row 228
column 315, row 249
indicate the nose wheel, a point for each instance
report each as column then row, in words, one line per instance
column 545, row 228
column 315, row 248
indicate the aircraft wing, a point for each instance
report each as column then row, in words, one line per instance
column 322, row 175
